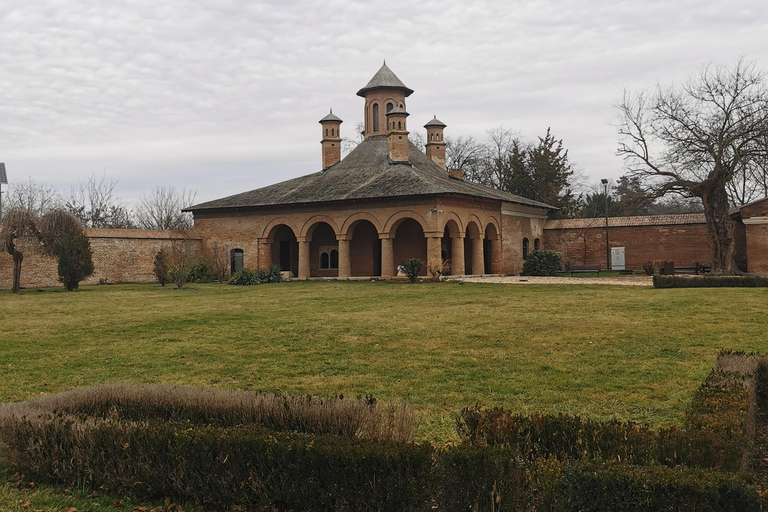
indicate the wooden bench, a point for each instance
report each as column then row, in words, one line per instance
column 697, row 269
column 584, row 269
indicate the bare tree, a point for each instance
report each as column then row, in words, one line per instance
column 18, row 223
column 161, row 209
column 350, row 143
column 33, row 196
column 219, row 260
column 692, row 139
column 94, row 202
column 463, row 153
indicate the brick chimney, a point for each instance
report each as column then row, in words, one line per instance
column 397, row 135
column 331, row 142
column 435, row 144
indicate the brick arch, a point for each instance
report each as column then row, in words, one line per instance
column 306, row 230
column 476, row 220
column 492, row 221
column 352, row 220
column 269, row 229
column 452, row 216
column 391, row 225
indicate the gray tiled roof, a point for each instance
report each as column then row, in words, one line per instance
column 384, row 77
column 331, row 117
column 435, row 122
column 365, row 173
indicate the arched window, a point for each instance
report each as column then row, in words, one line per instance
column 324, row 260
column 333, row 132
column 525, row 248
column 399, row 125
column 390, row 107
column 536, row 244
column 376, row 117
column 334, row 258
column 236, row 257
column 326, row 132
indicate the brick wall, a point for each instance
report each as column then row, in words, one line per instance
column 119, row 255
column 680, row 238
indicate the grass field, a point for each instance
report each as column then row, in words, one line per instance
column 602, row 351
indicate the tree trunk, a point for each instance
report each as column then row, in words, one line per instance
column 719, row 230
column 17, row 259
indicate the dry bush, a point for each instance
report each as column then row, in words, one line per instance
column 349, row 417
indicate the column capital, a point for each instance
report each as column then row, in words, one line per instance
column 386, row 236
column 302, row 239
column 433, row 234
column 345, row 237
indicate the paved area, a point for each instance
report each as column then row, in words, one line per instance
column 633, row 280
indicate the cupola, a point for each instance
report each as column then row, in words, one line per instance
column 435, row 148
column 331, row 125
column 383, row 93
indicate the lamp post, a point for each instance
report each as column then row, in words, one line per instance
column 607, row 244
column 3, row 179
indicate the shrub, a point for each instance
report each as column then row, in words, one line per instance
column 411, row 268
column 160, row 267
column 654, row 267
column 248, row 277
column 75, row 259
column 542, row 263
column 601, row 486
column 708, row 281
column 201, row 272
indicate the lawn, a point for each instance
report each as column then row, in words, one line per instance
column 602, row 351
column 596, row 350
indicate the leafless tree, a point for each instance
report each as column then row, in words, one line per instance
column 182, row 256
column 692, row 139
column 219, row 260
column 350, row 143
column 94, row 202
column 417, row 138
column 463, row 153
column 33, row 196
column 161, row 209
column 18, row 223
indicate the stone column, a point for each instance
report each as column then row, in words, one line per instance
column 345, row 264
column 496, row 254
column 457, row 255
column 387, row 256
column 264, row 253
column 434, row 257
column 478, row 264
column 303, row 257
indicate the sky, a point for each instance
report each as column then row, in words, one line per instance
column 224, row 96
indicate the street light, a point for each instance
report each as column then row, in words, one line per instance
column 607, row 244
column 3, row 179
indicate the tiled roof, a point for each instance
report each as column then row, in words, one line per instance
column 385, row 78
column 331, row 117
column 620, row 222
column 366, row 173
column 435, row 122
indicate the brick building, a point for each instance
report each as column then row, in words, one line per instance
column 384, row 202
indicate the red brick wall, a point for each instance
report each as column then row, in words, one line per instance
column 682, row 244
column 757, row 248
column 118, row 256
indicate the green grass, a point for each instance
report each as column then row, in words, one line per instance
column 601, row 351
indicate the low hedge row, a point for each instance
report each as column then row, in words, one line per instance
column 660, row 281
column 715, row 434
column 224, row 468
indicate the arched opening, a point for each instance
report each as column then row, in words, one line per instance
column 526, row 244
column 375, row 117
column 285, row 249
column 390, row 106
column 492, row 250
column 473, row 246
column 323, row 251
column 536, row 244
column 235, row 260
column 410, row 243
column 365, row 250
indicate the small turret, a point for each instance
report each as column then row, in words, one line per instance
column 435, row 143
column 397, row 135
column 331, row 140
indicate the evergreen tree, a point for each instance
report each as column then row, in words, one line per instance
column 75, row 259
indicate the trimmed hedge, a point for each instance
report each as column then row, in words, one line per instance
column 222, row 467
column 602, row 487
column 248, row 277
column 715, row 435
column 708, row 281
column 542, row 263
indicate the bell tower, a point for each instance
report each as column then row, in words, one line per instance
column 435, row 143
column 331, row 142
column 383, row 93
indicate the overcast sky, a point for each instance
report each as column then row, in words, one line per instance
column 224, row 96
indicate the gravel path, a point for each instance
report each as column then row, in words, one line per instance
column 622, row 280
